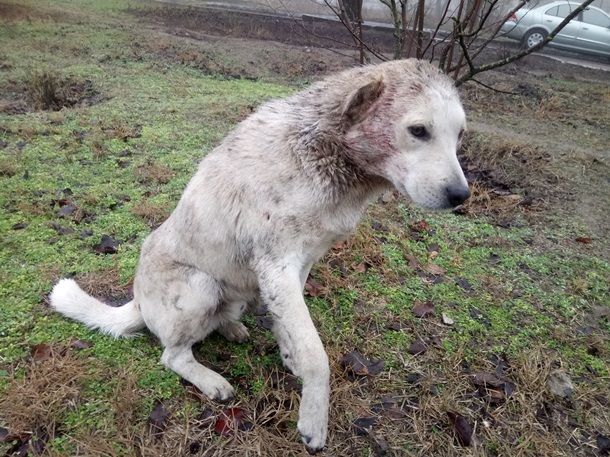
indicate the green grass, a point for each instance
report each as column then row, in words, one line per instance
column 529, row 288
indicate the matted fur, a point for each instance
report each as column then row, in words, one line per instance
column 286, row 184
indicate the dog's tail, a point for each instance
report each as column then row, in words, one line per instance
column 71, row 301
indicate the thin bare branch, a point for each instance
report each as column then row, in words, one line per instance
column 519, row 55
column 486, row 86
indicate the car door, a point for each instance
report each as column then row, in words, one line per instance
column 554, row 16
column 594, row 33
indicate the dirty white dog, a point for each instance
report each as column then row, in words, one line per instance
column 287, row 183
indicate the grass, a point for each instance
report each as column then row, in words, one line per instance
column 525, row 298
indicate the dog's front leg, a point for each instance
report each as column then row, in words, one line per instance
column 280, row 286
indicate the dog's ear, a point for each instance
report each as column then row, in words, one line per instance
column 360, row 102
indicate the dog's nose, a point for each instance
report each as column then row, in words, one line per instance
column 456, row 195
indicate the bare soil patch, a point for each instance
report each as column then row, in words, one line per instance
column 48, row 91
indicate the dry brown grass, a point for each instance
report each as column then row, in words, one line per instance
column 500, row 172
column 104, row 283
column 40, row 398
column 154, row 173
column 8, row 167
column 152, row 213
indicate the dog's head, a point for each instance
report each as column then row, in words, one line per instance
column 406, row 126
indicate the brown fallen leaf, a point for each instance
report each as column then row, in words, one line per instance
column 423, row 309
column 313, row 288
column 420, row 226
column 363, row 425
column 462, row 428
column 434, row 269
column 157, row 419
column 413, row 262
column 80, row 344
column 487, row 380
column 41, row 352
column 360, row 365
column 362, row 267
column 417, row 347
column 583, row 240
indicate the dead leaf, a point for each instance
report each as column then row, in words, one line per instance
column 362, row 267
column 434, row 248
column 600, row 312
column 423, row 309
column 463, row 284
column 285, row 381
column 108, row 245
column 314, row 289
column 421, row 226
column 66, row 210
column 398, row 326
column 363, row 425
column 583, row 240
column 230, row 421
column 603, row 444
column 413, row 262
column 478, row 316
column 434, row 269
column 360, row 365
column 39, row 441
column 41, row 352
column 379, row 227
column 157, row 419
column 80, row 344
column 462, row 428
column 417, row 347
column 487, row 380
column 265, row 322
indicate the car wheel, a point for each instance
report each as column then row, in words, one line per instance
column 533, row 37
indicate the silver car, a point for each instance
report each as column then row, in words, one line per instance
column 588, row 33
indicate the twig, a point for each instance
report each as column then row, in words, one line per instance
column 519, row 55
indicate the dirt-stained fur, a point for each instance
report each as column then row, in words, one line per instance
column 286, row 184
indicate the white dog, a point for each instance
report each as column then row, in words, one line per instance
column 287, row 183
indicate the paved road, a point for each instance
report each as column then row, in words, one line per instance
column 596, row 65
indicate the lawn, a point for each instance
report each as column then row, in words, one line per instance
column 494, row 318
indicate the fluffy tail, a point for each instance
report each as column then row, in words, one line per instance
column 71, row 301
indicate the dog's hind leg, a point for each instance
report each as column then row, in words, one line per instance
column 229, row 325
column 182, row 308
column 180, row 359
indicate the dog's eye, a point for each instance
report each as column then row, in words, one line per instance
column 419, row 131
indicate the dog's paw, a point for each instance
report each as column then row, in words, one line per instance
column 217, row 388
column 234, row 331
column 313, row 433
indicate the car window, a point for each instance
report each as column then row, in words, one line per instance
column 596, row 18
column 559, row 11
